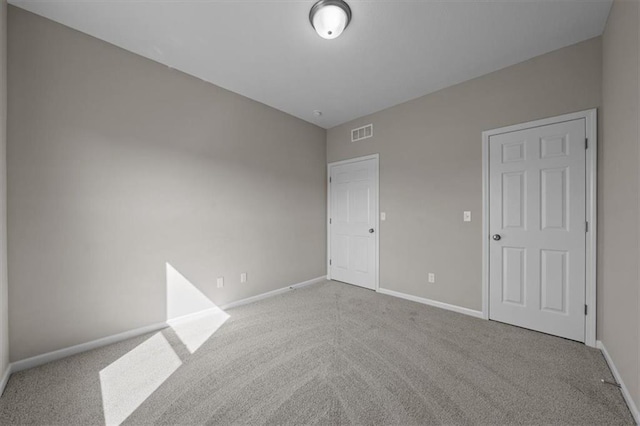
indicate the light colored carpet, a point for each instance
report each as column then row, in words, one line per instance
column 331, row 354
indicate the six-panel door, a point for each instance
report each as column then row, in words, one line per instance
column 537, row 228
column 353, row 222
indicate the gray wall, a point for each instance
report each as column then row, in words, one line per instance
column 4, row 305
column 431, row 165
column 117, row 164
column 619, row 313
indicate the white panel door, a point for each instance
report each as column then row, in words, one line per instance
column 537, row 185
column 352, row 222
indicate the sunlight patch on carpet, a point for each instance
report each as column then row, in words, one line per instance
column 130, row 380
column 197, row 329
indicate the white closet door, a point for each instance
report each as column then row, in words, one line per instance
column 353, row 188
column 538, row 229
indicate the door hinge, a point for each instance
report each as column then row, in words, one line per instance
column 329, row 261
column 586, row 227
column 329, row 179
column 586, row 143
column 586, row 309
column 329, row 221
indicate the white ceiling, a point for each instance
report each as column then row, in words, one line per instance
column 391, row 52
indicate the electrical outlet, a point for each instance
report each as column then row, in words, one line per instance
column 467, row 216
column 432, row 277
column 220, row 282
column 243, row 277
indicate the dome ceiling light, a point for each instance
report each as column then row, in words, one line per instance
column 330, row 17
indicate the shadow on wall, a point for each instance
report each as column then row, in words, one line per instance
column 127, row 382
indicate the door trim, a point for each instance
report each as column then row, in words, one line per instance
column 376, row 209
column 591, row 122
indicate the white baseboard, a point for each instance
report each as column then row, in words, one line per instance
column 4, row 379
column 83, row 347
column 272, row 293
column 192, row 316
column 442, row 305
column 625, row 392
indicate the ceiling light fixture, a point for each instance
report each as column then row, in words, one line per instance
column 330, row 17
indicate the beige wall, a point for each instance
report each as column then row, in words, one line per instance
column 117, row 164
column 431, row 165
column 619, row 319
column 4, row 306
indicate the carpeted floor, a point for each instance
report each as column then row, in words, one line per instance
column 330, row 354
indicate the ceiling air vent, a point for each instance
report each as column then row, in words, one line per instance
column 363, row 132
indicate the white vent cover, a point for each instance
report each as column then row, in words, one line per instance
column 363, row 132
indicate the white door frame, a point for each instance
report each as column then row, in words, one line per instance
column 591, row 118
column 376, row 208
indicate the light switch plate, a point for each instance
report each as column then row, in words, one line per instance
column 383, row 216
column 243, row 277
column 220, row 282
column 467, row 216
